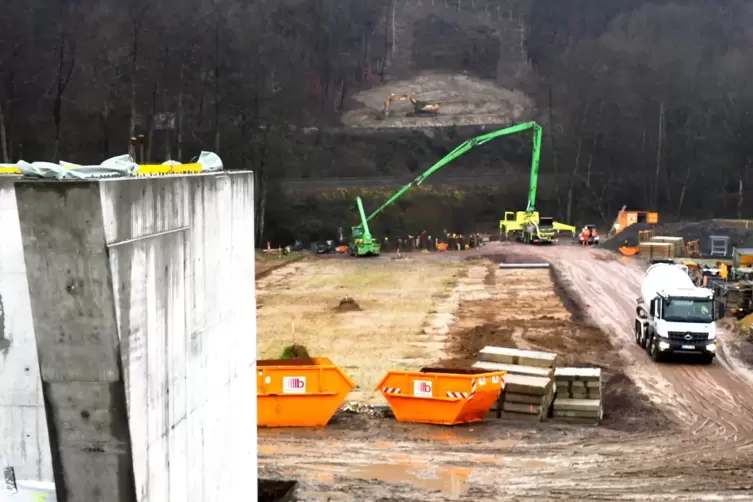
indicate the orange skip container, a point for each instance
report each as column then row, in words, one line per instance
column 440, row 395
column 299, row 392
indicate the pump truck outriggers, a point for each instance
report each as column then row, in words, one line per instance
column 363, row 243
column 674, row 315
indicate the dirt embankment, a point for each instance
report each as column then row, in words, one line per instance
column 463, row 100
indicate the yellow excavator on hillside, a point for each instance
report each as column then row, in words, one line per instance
column 426, row 108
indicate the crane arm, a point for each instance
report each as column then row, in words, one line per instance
column 468, row 145
column 364, row 220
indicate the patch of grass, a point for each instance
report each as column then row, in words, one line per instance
column 395, row 296
column 295, row 351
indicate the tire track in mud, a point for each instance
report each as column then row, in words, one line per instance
column 709, row 401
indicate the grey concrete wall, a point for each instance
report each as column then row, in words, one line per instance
column 24, row 444
column 181, row 265
column 70, row 286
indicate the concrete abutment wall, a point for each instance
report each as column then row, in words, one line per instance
column 24, row 444
column 144, row 309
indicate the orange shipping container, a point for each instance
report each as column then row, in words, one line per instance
column 627, row 218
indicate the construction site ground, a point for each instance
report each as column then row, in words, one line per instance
column 673, row 431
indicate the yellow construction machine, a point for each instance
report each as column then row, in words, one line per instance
column 527, row 226
column 426, row 108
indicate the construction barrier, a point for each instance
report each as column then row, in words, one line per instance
column 441, row 396
column 299, row 392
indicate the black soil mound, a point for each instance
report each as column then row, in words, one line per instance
column 739, row 236
column 348, row 304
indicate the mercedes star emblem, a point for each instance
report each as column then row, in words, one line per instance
column 688, row 336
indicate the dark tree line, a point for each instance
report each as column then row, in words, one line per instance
column 645, row 104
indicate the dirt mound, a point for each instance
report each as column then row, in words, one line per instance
column 629, row 236
column 348, row 304
column 626, row 408
column 466, row 346
column 575, row 344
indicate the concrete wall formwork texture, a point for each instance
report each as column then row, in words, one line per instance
column 144, row 307
column 24, row 444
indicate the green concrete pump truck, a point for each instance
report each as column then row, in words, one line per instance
column 362, row 242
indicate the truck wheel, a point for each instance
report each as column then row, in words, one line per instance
column 637, row 332
column 656, row 356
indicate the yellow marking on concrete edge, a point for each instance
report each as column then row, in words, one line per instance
column 144, row 170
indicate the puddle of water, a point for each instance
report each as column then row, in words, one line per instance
column 450, row 480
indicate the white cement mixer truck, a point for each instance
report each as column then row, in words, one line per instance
column 675, row 316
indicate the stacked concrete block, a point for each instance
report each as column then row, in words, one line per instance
column 578, row 393
column 529, row 383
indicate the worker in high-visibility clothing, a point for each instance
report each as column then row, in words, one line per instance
column 584, row 235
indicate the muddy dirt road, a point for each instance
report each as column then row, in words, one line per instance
column 699, row 447
column 711, row 401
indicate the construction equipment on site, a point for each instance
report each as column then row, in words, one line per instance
column 741, row 268
column 364, row 244
column 527, row 226
column 674, row 315
column 693, row 249
column 627, row 218
column 426, row 108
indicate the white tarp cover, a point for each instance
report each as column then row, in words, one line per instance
column 122, row 165
column 210, row 161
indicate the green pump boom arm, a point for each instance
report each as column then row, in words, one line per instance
column 364, row 220
column 460, row 150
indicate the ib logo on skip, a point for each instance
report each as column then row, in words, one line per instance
column 294, row 385
column 422, row 388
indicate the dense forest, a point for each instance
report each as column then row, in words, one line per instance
column 644, row 103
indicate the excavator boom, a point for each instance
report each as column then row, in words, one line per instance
column 418, row 106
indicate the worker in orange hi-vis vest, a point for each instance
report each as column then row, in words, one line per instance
column 584, row 235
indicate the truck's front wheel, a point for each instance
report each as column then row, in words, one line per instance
column 653, row 350
column 638, row 332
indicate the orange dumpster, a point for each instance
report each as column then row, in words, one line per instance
column 299, row 392
column 441, row 395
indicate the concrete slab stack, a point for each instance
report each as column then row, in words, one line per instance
column 578, row 393
column 529, row 383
